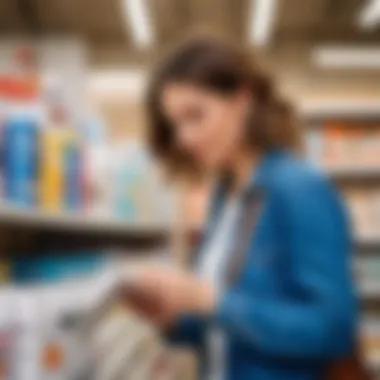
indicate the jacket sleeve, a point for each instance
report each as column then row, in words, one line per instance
column 319, row 320
column 190, row 329
column 187, row 331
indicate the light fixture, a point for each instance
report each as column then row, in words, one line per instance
column 369, row 17
column 261, row 20
column 137, row 18
column 347, row 57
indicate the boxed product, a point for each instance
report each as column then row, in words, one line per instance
column 350, row 145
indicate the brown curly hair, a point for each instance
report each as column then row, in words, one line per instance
column 221, row 66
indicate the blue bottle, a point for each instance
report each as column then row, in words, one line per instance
column 72, row 177
column 20, row 147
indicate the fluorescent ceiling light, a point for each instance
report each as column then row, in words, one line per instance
column 370, row 15
column 347, row 57
column 137, row 18
column 261, row 19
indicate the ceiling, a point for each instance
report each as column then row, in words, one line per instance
column 299, row 25
column 101, row 22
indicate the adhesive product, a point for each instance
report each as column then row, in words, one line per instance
column 72, row 174
column 20, row 139
column 52, row 169
column 126, row 185
column 133, row 182
column 99, row 193
column 60, row 170
column 60, row 165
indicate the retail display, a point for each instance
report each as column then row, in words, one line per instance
column 344, row 144
column 53, row 267
column 371, row 342
column 53, row 169
column 61, row 175
column 368, row 268
column 351, row 147
column 364, row 205
column 53, row 160
column 73, row 330
column 60, row 162
column 20, row 138
column 367, row 274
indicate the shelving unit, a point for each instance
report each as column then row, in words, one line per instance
column 354, row 174
column 367, row 244
column 352, row 115
column 372, row 328
column 95, row 299
column 11, row 215
column 81, row 230
column 370, row 290
column 347, row 110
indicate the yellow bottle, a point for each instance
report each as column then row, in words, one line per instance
column 54, row 141
column 51, row 169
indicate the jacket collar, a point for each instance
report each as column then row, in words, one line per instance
column 259, row 179
column 262, row 173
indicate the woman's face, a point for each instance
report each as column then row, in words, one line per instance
column 207, row 125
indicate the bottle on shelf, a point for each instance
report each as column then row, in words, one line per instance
column 60, row 187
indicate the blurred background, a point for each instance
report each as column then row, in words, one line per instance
column 80, row 196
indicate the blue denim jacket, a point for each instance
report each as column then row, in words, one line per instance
column 292, row 308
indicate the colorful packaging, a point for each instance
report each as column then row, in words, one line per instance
column 60, row 171
column 133, row 183
column 20, row 140
column 99, row 194
column 52, row 168
column 55, row 267
column 60, row 176
column 73, row 191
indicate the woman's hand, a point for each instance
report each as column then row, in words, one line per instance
column 162, row 294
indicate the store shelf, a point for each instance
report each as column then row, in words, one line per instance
column 354, row 174
column 370, row 290
column 371, row 328
column 11, row 215
column 348, row 110
column 367, row 243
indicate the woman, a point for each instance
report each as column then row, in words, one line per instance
column 270, row 297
